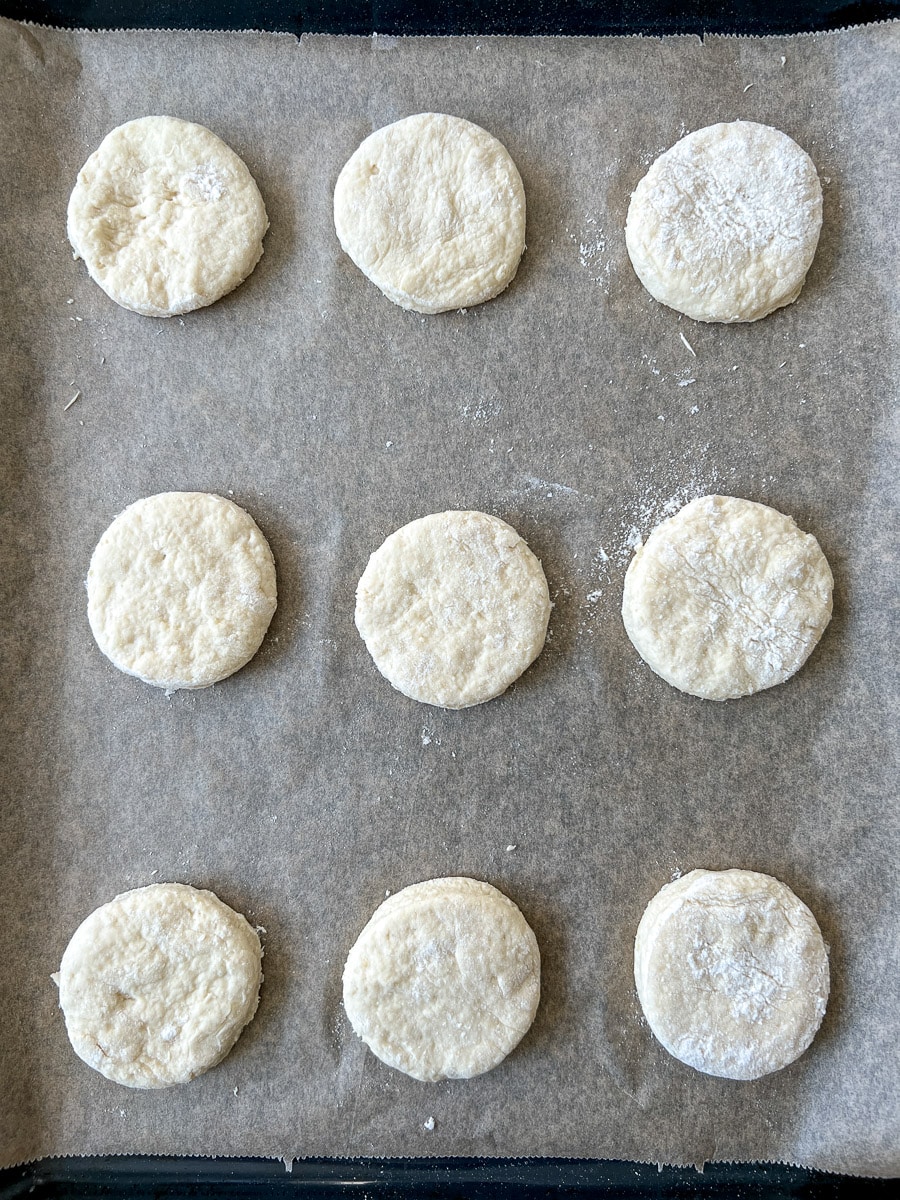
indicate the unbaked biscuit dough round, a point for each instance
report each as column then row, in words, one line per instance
column 453, row 607
column 724, row 225
column 166, row 217
column 444, row 980
column 432, row 210
column 731, row 972
column 726, row 598
column 157, row 985
column 181, row 589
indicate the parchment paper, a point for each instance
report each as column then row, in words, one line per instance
column 304, row 788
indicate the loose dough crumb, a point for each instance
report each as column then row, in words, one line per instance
column 181, row 589
column 157, row 985
column 444, row 980
column 731, row 972
column 166, row 217
column 726, row 598
column 432, row 210
column 453, row 607
column 725, row 224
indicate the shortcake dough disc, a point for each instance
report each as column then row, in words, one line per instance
column 166, row 217
column 432, row 210
column 731, row 972
column 453, row 607
column 726, row 598
column 724, row 225
column 156, row 985
column 444, row 980
column 181, row 589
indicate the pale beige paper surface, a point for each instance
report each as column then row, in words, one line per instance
column 304, row 788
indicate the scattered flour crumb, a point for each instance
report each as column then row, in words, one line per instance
column 429, row 1124
column 509, row 849
column 592, row 243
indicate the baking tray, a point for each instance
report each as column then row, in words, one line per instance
column 420, row 1177
column 398, row 17
column 423, row 1178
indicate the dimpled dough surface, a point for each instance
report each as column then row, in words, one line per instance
column 432, row 210
column 156, row 985
column 724, row 225
column 444, row 980
column 166, row 217
column 181, row 589
column 453, row 607
column 726, row 598
column 731, row 972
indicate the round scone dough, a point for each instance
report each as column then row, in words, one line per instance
column 724, row 225
column 432, row 210
column 731, row 972
column 156, row 985
column 444, row 980
column 453, row 607
column 181, row 589
column 166, row 217
column 726, row 598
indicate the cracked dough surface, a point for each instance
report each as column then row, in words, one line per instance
column 156, row 985
column 731, row 972
column 432, row 210
column 453, row 607
column 444, row 980
column 726, row 598
column 166, row 217
column 181, row 589
column 724, row 225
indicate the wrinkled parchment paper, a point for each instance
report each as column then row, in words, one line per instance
column 303, row 789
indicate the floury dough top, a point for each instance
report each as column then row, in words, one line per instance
column 731, row 972
column 157, row 985
column 453, row 607
column 166, row 217
column 725, row 224
column 726, row 598
column 181, row 589
column 444, row 980
column 432, row 210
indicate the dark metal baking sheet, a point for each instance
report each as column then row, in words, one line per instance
column 399, row 17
